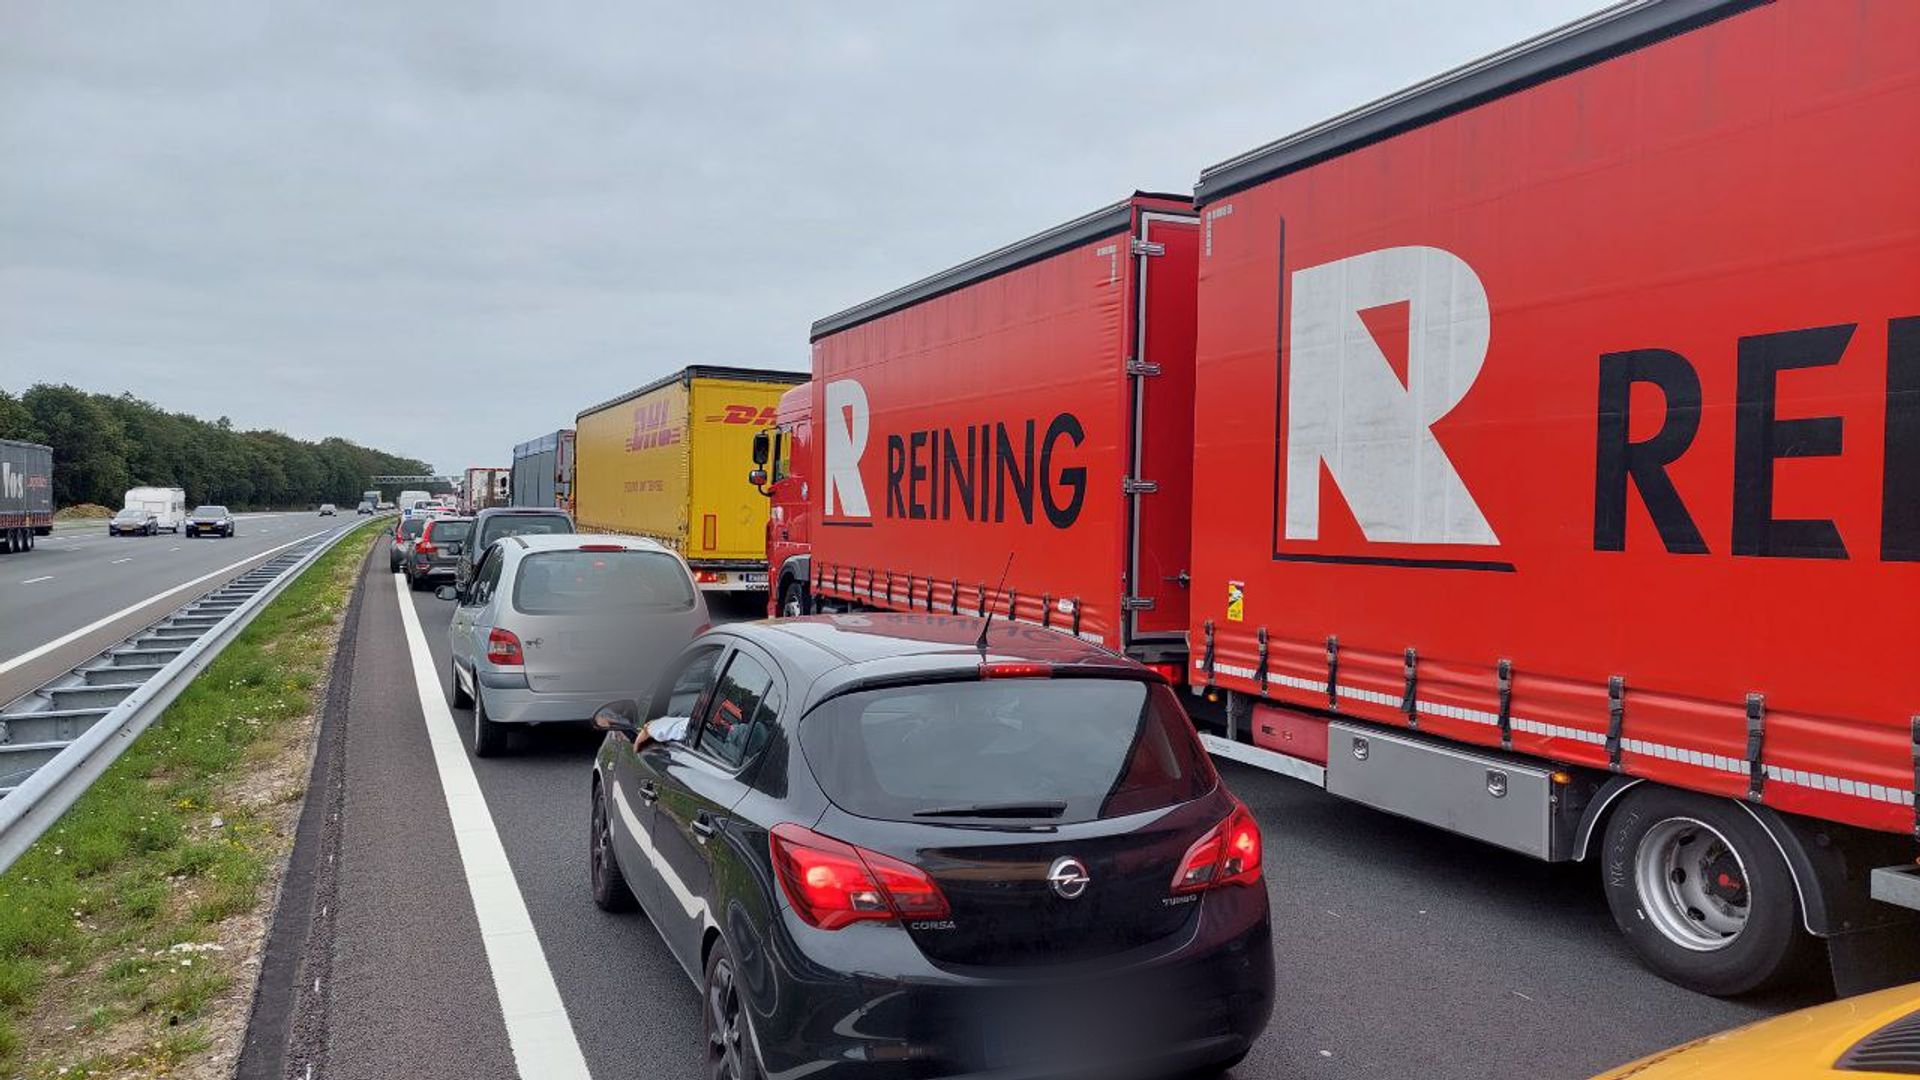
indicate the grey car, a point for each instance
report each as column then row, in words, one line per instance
column 400, row 545
column 553, row 626
column 133, row 522
column 495, row 522
column 435, row 550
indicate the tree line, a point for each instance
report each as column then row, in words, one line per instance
column 104, row 444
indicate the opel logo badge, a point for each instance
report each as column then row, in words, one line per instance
column 1069, row 879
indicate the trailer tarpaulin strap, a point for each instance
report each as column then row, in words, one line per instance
column 1616, row 717
column 1046, row 611
column 1333, row 671
column 929, row 596
column 953, row 602
column 1409, row 702
column 1756, row 741
column 983, row 600
column 1076, row 621
column 1916, row 777
column 1260, row 673
column 1505, row 670
column 1012, row 600
column 1206, row 658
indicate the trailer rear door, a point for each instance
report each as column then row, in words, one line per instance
column 1161, row 480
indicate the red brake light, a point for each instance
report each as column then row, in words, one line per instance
column 1173, row 673
column 708, row 577
column 503, row 648
column 1016, row 670
column 832, row 884
column 601, row 547
column 1229, row 854
column 424, row 546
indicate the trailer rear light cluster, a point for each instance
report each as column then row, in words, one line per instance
column 709, row 577
column 1228, row 855
column 832, row 884
column 1008, row 669
column 503, row 648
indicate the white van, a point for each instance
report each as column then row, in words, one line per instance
column 411, row 501
column 167, row 505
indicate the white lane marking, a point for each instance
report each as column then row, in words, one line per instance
column 176, row 547
column 36, row 580
column 117, row 562
column 39, row 651
column 544, row 1046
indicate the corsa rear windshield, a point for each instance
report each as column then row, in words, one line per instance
column 522, row 525
column 570, row 582
column 1104, row 748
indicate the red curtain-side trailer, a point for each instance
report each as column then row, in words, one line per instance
column 1568, row 407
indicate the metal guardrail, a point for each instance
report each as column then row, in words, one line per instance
column 56, row 741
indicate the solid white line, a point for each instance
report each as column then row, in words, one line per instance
column 36, row 653
column 34, row 580
column 544, row 1046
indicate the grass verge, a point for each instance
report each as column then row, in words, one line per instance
column 130, row 933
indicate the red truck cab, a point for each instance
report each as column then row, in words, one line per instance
column 781, row 455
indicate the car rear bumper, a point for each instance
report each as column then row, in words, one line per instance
column 1195, row 1002
column 515, row 704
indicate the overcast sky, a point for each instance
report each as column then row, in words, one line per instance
column 444, row 228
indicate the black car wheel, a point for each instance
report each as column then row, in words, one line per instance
column 460, row 698
column 610, row 890
column 793, row 600
column 489, row 738
column 730, row 1053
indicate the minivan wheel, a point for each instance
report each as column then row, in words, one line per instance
column 610, row 890
column 1702, row 893
column 460, row 698
column 489, row 738
column 730, row 1054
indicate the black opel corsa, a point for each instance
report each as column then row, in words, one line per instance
column 886, row 848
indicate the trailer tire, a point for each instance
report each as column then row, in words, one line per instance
column 6, row 542
column 1702, row 893
column 27, row 537
column 793, row 600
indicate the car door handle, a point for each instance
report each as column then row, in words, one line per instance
column 703, row 828
column 649, row 791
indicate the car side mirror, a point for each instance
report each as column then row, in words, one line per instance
column 621, row 716
column 760, row 448
column 446, row 592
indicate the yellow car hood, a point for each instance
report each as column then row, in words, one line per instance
column 1801, row 1045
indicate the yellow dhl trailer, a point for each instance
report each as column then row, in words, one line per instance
column 667, row 462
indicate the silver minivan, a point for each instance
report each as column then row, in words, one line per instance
column 554, row 626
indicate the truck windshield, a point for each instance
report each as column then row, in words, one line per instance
column 1060, row 750
column 570, row 582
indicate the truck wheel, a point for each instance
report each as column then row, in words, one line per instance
column 27, row 537
column 793, row 600
column 489, row 738
column 1702, row 893
column 6, row 541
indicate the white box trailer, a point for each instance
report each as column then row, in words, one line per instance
column 168, row 505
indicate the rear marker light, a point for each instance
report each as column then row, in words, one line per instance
column 503, row 648
column 1229, row 854
column 708, row 577
column 1013, row 670
column 832, row 884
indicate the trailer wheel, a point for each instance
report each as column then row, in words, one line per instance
column 6, row 541
column 1702, row 893
column 793, row 600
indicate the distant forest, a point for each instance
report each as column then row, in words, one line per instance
column 104, row 444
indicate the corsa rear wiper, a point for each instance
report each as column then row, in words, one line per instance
column 1008, row 810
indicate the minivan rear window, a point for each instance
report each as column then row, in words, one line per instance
column 521, row 525
column 1086, row 749
column 566, row 582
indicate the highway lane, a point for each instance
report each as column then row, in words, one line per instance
column 1402, row 951
column 78, row 576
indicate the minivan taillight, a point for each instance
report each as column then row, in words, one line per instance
column 832, row 884
column 1228, row 855
column 503, row 648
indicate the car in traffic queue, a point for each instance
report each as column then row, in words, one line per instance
column 400, row 542
column 495, row 522
column 210, row 519
column 433, row 553
column 553, row 625
column 133, row 521
column 1873, row 1035
column 894, row 845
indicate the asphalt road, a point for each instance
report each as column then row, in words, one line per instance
column 1401, row 951
column 80, row 575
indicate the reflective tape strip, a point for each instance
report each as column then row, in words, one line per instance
column 1732, row 766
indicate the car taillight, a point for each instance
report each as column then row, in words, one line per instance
column 1013, row 670
column 832, row 884
column 708, row 577
column 1228, row 855
column 424, row 546
column 503, row 648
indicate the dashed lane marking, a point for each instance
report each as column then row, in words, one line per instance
column 544, row 1046
column 117, row 562
column 37, row 580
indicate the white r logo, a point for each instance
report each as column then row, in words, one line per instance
column 1348, row 404
column 846, row 435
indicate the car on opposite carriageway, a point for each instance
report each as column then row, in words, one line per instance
column 210, row 519
column 884, row 849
